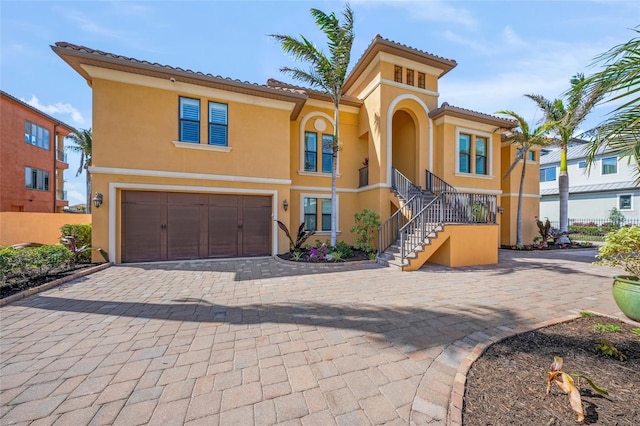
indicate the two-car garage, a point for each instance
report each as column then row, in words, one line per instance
column 158, row 226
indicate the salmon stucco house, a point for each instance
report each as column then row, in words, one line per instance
column 193, row 165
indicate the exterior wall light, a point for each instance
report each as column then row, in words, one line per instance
column 97, row 200
column 285, row 205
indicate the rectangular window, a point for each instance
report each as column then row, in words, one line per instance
column 547, row 174
column 409, row 77
column 218, row 124
column 189, row 120
column 421, row 80
column 327, row 153
column 310, row 152
column 582, row 164
column 310, row 214
column 624, row 202
column 464, row 153
column 610, row 166
column 36, row 179
column 326, row 214
column 397, row 74
column 481, row 156
column 36, row 135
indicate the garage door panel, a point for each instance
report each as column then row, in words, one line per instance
column 183, row 232
column 256, row 226
column 223, row 229
column 142, row 233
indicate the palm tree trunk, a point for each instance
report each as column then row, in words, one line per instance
column 563, row 191
column 520, row 191
column 334, row 175
column 88, row 183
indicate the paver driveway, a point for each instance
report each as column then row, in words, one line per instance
column 262, row 342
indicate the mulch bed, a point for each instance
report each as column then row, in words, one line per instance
column 507, row 384
column 15, row 285
column 357, row 256
column 550, row 247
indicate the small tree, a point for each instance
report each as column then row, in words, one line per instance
column 83, row 141
column 364, row 228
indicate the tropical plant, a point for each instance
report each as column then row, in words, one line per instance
column 525, row 139
column 81, row 233
column 366, row 224
column 562, row 117
column 327, row 73
column 620, row 77
column 83, row 140
column 622, row 249
column 301, row 236
column 616, row 218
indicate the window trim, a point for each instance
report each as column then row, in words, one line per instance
column 180, row 119
column 630, row 195
column 318, row 196
column 602, row 173
column 472, row 166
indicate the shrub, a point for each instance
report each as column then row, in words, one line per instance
column 622, row 249
column 366, row 224
column 30, row 262
column 82, row 234
column 344, row 249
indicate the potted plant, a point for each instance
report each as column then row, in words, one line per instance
column 622, row 249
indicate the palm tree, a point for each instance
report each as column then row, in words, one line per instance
column 620, row 132
column 82, row 139
column 325, row 72
column 562, row 119
column 525, row 139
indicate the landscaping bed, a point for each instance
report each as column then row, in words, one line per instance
column 16, row 284
column 507, row 384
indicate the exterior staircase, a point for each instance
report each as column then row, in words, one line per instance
column 419, row 227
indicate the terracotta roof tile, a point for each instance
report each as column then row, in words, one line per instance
column 446, row 108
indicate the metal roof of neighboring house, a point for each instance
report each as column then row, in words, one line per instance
column 598, row 187
column 36, row 110
column 76, row 56
column 446, row 109
column 575, row 152
column 381, row 44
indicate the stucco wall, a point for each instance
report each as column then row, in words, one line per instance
column 41, row 228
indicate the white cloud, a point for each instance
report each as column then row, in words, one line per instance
column 511, row 38
column 479, row 47
column 57, row 108
column 88, row 25
column 431, row 11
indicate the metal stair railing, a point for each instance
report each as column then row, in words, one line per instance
column 445, row 208
column 436, row 185
column 388, row 231
column 403, row 186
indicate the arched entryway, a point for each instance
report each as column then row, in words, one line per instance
column 404, row 143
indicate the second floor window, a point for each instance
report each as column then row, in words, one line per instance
column 421, row 80
column 397, row 74
column 36, row 179
column 464, row 154
column 547, row 174
column 217, row 124
column 609, row 166
column 312, row 146
column 409, row 77
column 481, row 156
column 36, row 135
column 189, row 120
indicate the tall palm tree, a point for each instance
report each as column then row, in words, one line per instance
column 525, row 139
column 620, row 77
column 326, row 73
column 562, row 117
column 82, row 140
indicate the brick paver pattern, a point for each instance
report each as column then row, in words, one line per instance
column 261, row 342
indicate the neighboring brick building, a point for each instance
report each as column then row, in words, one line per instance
column 32, row 158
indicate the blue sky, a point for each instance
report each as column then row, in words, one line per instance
column 504, row 49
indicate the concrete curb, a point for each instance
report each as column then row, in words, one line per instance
column 47, row 286
column 325, row 264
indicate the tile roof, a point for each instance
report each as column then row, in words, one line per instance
column 36, row 110
column 597, row 187
column 350, row 100
column 446, row 109
column 76, row 55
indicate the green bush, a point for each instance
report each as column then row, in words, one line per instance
column 344, row 249
column 82, row 233
column 366, row 225
column 622, row 249
column 29, row 262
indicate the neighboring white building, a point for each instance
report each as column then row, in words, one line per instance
column 610, row 183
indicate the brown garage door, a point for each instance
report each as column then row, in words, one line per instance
column 172, row 226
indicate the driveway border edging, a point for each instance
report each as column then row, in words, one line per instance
column 51, row 284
